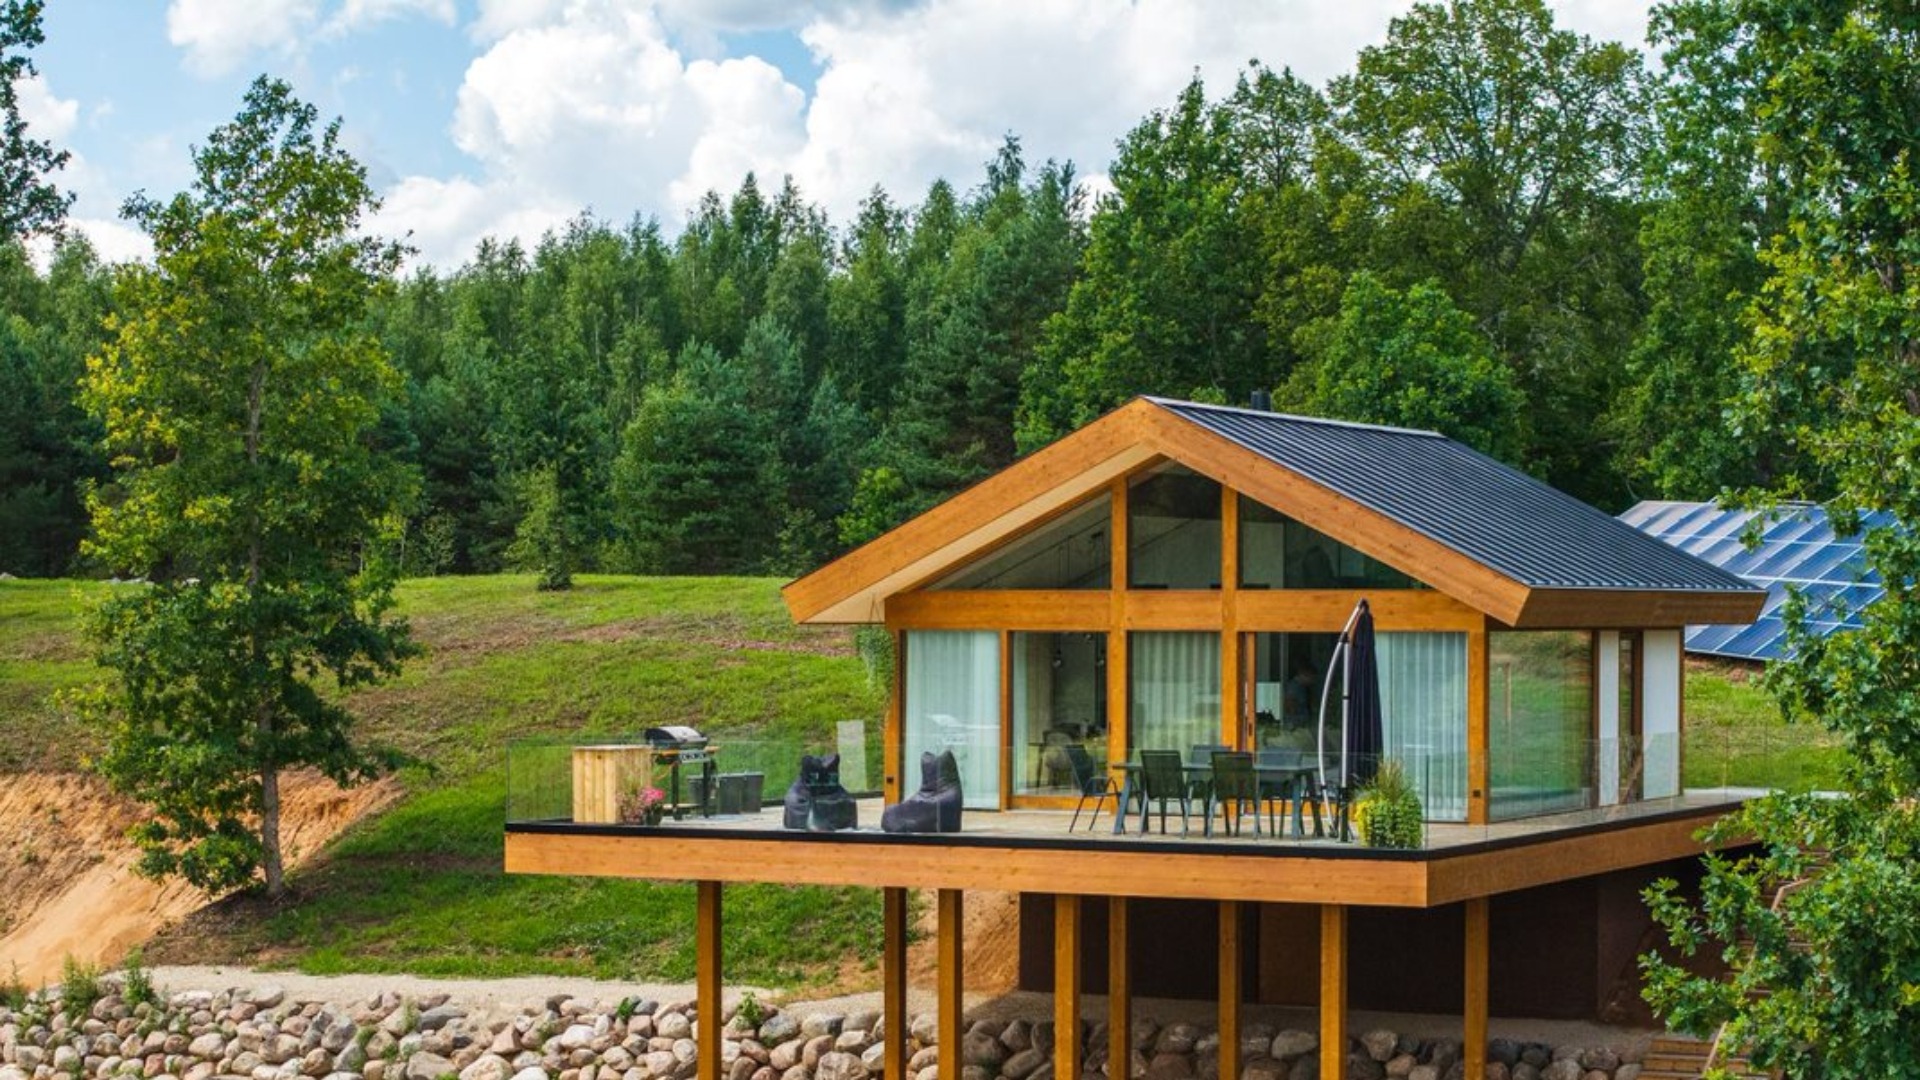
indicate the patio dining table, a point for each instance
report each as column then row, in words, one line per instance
column 1294, row 780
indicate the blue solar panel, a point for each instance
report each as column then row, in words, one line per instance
column 1796, row 550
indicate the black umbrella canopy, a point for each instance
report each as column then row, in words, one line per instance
column 1363, row 721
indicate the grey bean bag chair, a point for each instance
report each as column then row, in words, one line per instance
column 816, row 802
column 936, row 806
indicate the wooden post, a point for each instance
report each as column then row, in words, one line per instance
column 1474, row 1052
column 1479, row 726
column 706, row 948
column 1230, row 990
column 1119, row 992
column 1117, row 707
column 1333, row 990
column 949, row 980
column 893, row 980
column 1066, row 986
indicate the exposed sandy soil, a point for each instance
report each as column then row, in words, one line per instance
column 67, row 885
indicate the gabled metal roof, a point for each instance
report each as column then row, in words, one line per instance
column 1460, row 498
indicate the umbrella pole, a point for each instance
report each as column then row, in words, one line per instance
column 1326, row 689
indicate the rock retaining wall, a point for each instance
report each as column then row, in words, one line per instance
column 198, row 1035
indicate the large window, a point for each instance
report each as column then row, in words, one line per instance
column 953, row 703
column 1175, row 690
column 1288, row 672
column 1059, row 704
column 1073, row 551
column 1423, row 707
column 1277, row 552
column 1173, row 530
column 1541, row 743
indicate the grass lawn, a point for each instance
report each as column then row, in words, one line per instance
column 419, row 888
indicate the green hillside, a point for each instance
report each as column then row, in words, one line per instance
column 419, row 888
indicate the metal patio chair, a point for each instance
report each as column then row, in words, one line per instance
column 1234, row 790
column 1093, row 782
column 1163, row 779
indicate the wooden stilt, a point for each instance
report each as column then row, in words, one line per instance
column 893, row 980
column 1230, row 990
column 1066, row 987
column 1119, row 992
column 951, row 980
column 1333, row 990
column 706, row 947
column 1479, row 941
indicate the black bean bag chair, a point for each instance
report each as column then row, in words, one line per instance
column 936, row 806
column 816, row 802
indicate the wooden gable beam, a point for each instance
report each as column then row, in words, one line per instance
column 1319, row 507
column 850, row 588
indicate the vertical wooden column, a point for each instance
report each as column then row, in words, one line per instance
column 1117, row 733
column 1230, row 990
column 1008, row 781
column 1119, row 992
column 950, row 981
column 706, row 948
column 1479, row 724
column 1066, row 986
column 1474, row 1053
column 1333, row 990
column 893, row 733
column 1233, row 706
column 893, row 980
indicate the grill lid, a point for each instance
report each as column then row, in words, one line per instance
column 675, row 736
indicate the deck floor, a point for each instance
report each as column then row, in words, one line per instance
column 1051, row 826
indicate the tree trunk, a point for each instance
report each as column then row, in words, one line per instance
column 270, row 832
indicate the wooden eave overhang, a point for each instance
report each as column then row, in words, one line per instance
column 855, row 587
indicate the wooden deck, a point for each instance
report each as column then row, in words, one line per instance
column 1032, row 851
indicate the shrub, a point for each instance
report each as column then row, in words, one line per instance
column 137, row 982
column 1388, row 813
column 79, row 986
column 13, row 991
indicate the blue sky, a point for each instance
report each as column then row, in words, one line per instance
column 506, row 117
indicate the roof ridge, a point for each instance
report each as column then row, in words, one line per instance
column 1269, row 414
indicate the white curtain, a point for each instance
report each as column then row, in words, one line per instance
column 953, row 703
column 1423, row 699
column 1176, row 690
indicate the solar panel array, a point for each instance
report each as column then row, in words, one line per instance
column 1795, row 549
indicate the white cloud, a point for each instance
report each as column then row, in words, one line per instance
column 48, row 117
column 357, row 14
column 598, row 103
column 219, row 34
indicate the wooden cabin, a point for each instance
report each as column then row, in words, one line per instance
column 1176, row 575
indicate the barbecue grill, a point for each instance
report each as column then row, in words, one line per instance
column 675, row 745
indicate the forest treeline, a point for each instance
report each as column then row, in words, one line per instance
column 1538, row 243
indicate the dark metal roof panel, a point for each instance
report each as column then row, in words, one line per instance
column 1491, row 513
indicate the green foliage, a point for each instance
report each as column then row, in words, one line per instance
column 1829, row 984
column 236, row 395
column 543, row 542
column 750, row 1010
column 1387, row 812
column 80, row 986
column 1413, row 359
column 29, row 203
column 136, row 984
column 14, row 994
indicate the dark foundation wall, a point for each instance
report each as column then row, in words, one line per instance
column 1564, row 951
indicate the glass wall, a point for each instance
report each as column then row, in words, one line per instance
column 1173, row 530
column 1277, row 552
column 1175, row 690
column 952, row 702
column 1059, row 703
column 1541, row 738
column 1288, row 672
column 1423, row 706
column 1073, row 551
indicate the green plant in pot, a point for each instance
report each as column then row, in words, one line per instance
column 1388, row 814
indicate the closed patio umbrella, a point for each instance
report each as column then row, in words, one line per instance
column 1361, row 725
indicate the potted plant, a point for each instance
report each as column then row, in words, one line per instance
column 643, row 806
column 1388, row 814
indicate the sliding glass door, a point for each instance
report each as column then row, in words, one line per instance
column 952, row 702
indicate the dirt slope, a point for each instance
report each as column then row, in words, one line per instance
column 67, row 886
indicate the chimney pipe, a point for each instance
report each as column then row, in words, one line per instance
column 1263, row 400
